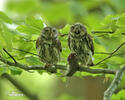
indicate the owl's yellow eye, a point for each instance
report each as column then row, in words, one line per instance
column 54, row 30
column 72, row 27
column 47, row 30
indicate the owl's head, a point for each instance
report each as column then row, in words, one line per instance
column 78, row 30
column 49, row 32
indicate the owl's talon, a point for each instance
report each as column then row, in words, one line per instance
column 50, row 68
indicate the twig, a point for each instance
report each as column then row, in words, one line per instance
column 22, row 66
column 123, row 33
column 26, row 52
column 61, row 67
column 102, row 53
column 110, row 32
column 108, row 93
column 62, row 35
column 30, row 40
column 97, row 71
column 119, row 54
column 101, row 35
column 10, row 55
column 111, row 54
column 20, row 87
column 25, row 67
column 94, row 32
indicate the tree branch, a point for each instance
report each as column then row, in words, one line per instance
column 111, row 54
column 110, row 32
column 62, row 35
column 10, row 55
column 108, row 93
column 106, row 53
column 20, row 87
column 26, row 52
column 94, row 32
column 61, row 67
column 97, row 71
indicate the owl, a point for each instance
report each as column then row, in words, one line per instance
column 49, row 47
column 81, row 43
column 73, row 64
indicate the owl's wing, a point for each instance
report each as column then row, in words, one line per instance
column 37, row 43
column 90, row 43
column 69, row 41
column 58, row 45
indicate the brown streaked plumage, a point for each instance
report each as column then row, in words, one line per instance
column 73, row 64
column 48, row 46
column 81, row 43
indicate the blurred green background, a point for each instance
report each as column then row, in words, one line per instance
column 60, row 14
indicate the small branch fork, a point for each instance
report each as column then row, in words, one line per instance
column 20, row 87
column 111, row 89
column 109, row 32
column 94, row 32
column 110, row 54
column 62, row 67
column 107, row 95
column 10, row 55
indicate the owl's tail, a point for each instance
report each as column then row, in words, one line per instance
column 70, row 72
column 90, row 62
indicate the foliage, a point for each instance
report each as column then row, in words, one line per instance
column 119, row 96
column 22, row 30
column 31, row 28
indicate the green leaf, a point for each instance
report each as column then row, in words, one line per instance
column 21, row 6
column 15, row 71
column 3, row 69
column 110, row 22
column 78, row 74
column 70, row 97
column 34, row 22
column 41, row 71
column 121, row 20
column 33, row 60
column 109, row 43
column 112, row 65
column 24, row 46
column 65, row 30
column 108, row 19
column 5, row 18
column 119, row 96
column 28, row 29
column 5, row 37
column 120, row 31
column 97, row 40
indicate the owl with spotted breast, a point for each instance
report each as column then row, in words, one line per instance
column 48, row 46
column 81, row 43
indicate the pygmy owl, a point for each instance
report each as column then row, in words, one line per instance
column 48, row 46
column 73, row 64
column 81, row 43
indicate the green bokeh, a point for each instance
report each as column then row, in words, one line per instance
column 21, row 23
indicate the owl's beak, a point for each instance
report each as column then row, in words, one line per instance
column 77, row 31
